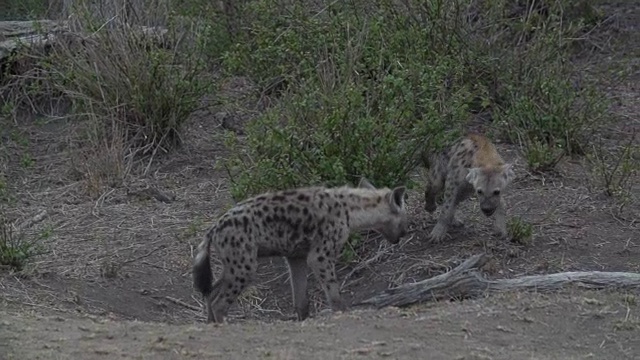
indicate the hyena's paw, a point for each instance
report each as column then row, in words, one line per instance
column 430, row 206
column 328, row 312
column 457, row 223
column 438, row 234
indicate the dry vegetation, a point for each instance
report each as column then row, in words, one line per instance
column 117, row 151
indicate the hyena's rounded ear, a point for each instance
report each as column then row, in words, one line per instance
column 472, row 175
column 508, row 173
column 364, row 183
column 396, row 200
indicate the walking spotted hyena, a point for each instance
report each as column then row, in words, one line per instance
column 472, row 164
column 307, row 226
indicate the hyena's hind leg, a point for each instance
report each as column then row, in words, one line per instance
column 436, row 180
column 238, row 271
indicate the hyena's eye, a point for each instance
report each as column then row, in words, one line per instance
column 496, row 192
column 479, row 191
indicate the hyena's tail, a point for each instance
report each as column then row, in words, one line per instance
column 202, row 276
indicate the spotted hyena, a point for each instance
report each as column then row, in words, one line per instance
column 472, row 164
column 306, row 226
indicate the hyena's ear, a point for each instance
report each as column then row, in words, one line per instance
column 508, row 173
column 364, row 183
column 396, row 199
column 472, row 175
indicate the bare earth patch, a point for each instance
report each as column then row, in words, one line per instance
column 572, row 325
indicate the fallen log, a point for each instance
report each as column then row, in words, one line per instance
column 27, row 34
column 38, row 34
column 466, row 281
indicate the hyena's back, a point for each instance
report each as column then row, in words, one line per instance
column 280, row 223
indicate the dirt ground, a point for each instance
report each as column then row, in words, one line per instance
column 573, row 325
column 114, row 280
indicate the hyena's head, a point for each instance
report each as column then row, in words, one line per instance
column 489, row 183
column 394, row 222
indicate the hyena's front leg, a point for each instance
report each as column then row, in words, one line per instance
column 447, row 216
column 323, row 266
column 298, row 272
column 435, row 183
column 500, row 220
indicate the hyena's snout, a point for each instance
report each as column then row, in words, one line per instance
column 487, row 210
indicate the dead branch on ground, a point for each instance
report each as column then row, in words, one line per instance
column 38, row 34
column 466, row 281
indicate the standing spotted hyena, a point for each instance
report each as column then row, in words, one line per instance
column 307, row 226
column 471, row 165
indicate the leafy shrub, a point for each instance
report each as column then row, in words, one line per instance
column 371, row 84
column 545, row 106
column 359, row 103
column 15, row 250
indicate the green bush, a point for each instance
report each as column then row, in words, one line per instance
column 15, row 250
column 369, row 84
column 366, row 95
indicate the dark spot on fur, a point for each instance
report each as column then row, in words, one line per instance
column 303, row 197
column 289, row 192
column 280, row 233
column 279, row 198
column 320, row 258
column 307, row 229
column 305, row 211
column 230, row 285
column 247, row 267
column 229, row 301
column 224, row 225
column 294, row 236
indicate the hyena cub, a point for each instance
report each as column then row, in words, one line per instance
column 471, row 165
column 307, row 226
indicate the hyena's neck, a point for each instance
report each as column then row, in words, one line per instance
column 367, row 208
